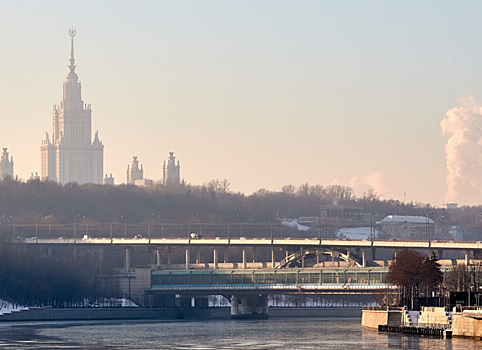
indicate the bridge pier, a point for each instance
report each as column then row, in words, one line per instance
column 169, row 251
column 215, row 258
column 245, row 258
column 273, row 261
column 249, row 306
column 158, row 258
column 363, row 258
column 467, row 257
column 188, row 258
column 127, row 260
column 226, row 255
column 198, row 255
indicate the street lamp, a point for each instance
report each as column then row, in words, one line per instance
column 427, row 233
column 75, row 222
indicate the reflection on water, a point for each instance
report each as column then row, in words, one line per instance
column 299, row 333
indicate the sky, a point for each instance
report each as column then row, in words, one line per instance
column 262, row 93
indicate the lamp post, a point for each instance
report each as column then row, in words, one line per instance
column 427, row 233
column 75, row 223
column 36, row 226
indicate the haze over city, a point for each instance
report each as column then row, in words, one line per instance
column 369, row 95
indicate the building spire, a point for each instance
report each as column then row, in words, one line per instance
column 72, row 33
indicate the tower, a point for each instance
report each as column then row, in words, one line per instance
column 6, row 165
column 171, row 171
column 134, row 173
column 70, row 155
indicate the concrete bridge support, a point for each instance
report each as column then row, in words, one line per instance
column 188, row 258
column 169, row 251
column 226, row 255
column 363, row 258
column 198, row 255
column 249, row 306
column 273, row 261
column 245, row 258
column 158, row 258
column 215, row 258
column 127, row 260
column 467, row 257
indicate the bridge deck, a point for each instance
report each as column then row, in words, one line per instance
column 258, row 242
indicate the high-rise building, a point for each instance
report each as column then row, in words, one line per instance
column 6, row 165
column 69, row 154
column 134, row 173
column 171, row 171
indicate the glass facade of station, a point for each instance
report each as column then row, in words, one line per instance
column 268, row 277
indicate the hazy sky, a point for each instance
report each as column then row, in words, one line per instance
column 263, row 93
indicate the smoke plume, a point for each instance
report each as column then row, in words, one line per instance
column 463, row 152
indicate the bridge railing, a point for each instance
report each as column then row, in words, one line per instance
column 153, row 229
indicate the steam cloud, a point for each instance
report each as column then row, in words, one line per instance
column 463, row 152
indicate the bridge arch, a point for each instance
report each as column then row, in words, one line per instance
column 294, row 259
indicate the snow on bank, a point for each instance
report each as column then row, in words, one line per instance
column 8, row 308
column 294, row 224
column 356, row 233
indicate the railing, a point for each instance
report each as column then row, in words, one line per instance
column 434, row 325
column 292, row 288
column 383, row 308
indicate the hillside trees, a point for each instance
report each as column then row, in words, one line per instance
column 48, row 202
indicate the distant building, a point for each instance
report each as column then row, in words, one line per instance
column 109, row 180
column 134, row 173
column 69, row 154
column 144, row 183
column 6, row 165
column 451, row 205
column 34, row 177
column 342, row 212
column 171, row 170
column 408, row 227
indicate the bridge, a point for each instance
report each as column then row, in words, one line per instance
column 247, row 290
column 351, row 251
column 289, row 265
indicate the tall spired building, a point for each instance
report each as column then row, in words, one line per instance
column 69, row 154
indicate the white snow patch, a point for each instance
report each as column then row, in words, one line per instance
column 294, row 224
column 356, row 233
column 8, row 308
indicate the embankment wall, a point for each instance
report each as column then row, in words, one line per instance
column 50, row 314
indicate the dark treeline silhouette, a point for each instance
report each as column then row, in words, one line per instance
column 32, row 279
column 48, row 202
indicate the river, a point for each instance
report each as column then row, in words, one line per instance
column 281, row 333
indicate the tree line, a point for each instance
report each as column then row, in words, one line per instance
column 30, row 278
column 48, row 202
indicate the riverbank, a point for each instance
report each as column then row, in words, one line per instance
column 51, row 314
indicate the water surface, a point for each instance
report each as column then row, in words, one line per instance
column 283, row 333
